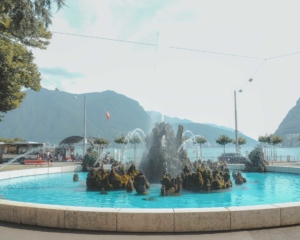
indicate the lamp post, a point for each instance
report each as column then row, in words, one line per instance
column 235, row 114
column 84, row 131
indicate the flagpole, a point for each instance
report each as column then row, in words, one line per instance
column 107, row 118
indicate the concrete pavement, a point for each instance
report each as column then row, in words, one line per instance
column 11, row 231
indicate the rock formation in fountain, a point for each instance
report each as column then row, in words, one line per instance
column 170, row 186
column 205, row 178
column 238, row 178
column 117, row 178
column 140, row 183
column 75, row 177
column 256, row 156
column 162, row 152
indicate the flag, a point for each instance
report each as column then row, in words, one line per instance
column 107, row 115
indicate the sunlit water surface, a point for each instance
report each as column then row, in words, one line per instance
column 59, row 189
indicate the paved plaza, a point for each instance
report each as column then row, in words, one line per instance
column 11, row 231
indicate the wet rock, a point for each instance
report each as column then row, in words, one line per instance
column 238, row 178
column 206, row 179
column 75, row 177
column 150, row 199
column 140, row 183
column 170, row 186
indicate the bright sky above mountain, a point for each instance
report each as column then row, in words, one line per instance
column 180, row 83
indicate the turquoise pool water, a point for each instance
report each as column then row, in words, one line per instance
column 59, row 189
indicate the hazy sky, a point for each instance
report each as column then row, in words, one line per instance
column 179, row 83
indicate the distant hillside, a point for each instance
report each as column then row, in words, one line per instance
column 209, row 130
column 289, row 128
column 212, row 133
column 221, row 127
column 290, row 124
column 51, row 116
column 157, row 118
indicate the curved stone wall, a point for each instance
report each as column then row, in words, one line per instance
column 146, row 220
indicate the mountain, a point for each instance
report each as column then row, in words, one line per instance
column 289, row 128
column 157, row 117
column 212, row 133
column 221, row 127
column 51, row 116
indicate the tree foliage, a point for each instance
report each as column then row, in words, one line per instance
column 17, row 70
column 23, row 24
column 241, row 141
column 223, row 140
column 8, row 140
column 101, row 141
column 27, row 21
column 276, row 139
column 270, row 139
column 121, row 140
column 135, row 139
column 201, row 140
column 265, row 139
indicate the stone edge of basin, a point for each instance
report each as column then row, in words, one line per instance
column 147, row 220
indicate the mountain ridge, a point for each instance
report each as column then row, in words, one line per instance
column 51, row 116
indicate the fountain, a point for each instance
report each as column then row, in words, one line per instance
column 162, row 152
column 164, row 157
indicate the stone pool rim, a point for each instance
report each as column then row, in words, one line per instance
column 148, row 220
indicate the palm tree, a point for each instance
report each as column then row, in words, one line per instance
column 223, row 140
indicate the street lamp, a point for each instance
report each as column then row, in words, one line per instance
column 235, row 113
column 84, row 131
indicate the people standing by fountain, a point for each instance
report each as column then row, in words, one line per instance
column 49, row 160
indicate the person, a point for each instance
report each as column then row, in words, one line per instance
column 38, row 155
column 48, row 158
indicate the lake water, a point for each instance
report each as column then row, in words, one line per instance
column 210, row 153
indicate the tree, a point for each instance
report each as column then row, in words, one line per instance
column 103, row 143
column 200, row 141
column 7, row 140
column 223, row 140
column 276, row 139
column 23, row 24
column 17, row 70
column 241, row 141
column 265, row 139
column 271, row 140
column 121, row 140
column 27, row 22
column 135, row 139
